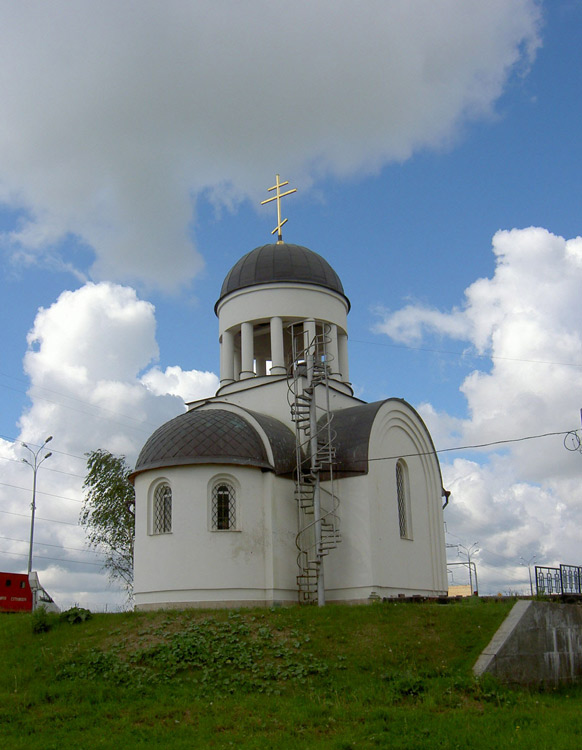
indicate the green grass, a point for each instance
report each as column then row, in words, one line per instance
column 386, row 675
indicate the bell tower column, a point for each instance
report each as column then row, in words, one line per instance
column 333, row 353
column 342, row 341
column 237, row 364
column 227, row 358
column 309, row 332
column 247, row 351
column 277, row 349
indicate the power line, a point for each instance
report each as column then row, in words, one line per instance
column 502, row 442
column 56, row 559
column 455, row 449
column 140, row 426
column 57, row 393
column 40, row 492
column 21, row 442
column 464, row 355
column 471, row 447
column 45, row 468
column 460, row 355
column 47, row 544
column 50, row 520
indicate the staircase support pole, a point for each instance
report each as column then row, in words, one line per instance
column 310, row 361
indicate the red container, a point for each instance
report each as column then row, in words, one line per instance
column 15, row 593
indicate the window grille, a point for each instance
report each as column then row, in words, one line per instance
column 162, row 509
column 223, row 507
column 402, row 496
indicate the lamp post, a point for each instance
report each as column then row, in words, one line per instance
column 34, row 464
column 528, row 566
column 472, row 550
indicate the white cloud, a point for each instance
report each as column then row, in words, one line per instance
column 101, row 329
column 189, row 385
column 524, row 499
column 115, row 118
column 88, row 389
column 408, row 324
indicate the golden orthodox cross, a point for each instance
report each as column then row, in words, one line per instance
column 277, row 197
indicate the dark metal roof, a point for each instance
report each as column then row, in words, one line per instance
column 217, row 436
column 352, row 429
column 282, row 442
column 281, row 263
column 220, row 436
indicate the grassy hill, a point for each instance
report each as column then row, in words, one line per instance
column 387, row 675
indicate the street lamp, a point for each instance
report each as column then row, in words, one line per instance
column 528, row 566
column 34, row 464
column 472, row 550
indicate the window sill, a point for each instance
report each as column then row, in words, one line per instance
column 225, row 531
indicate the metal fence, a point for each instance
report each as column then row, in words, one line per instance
column 567, row 579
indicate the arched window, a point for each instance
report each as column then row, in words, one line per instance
column 162, row 509
column 223, row 507
column 403, row 499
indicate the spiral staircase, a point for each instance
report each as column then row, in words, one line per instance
column 317, row 505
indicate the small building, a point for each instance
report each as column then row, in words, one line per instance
column 461, row 589
column 284, row 487
column 20, row 592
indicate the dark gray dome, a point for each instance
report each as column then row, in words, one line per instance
column 281, row 263
column 217, row 436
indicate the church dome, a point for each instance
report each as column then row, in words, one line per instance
column 282, row 262
column 213, row 436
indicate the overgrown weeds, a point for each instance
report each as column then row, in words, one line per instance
column 41, row 621
column 216, row 656
column 388, row 675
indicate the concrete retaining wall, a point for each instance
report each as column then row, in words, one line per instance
column 538, row 643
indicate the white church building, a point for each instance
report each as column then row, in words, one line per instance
column 284, row 487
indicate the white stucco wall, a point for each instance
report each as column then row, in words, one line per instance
column 414, row 565
column 269, row 395
column 287, row 301
column 372, row 556
column 348, row 568
column 194, row 565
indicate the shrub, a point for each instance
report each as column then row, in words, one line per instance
column 76, row 615
column 41, row 622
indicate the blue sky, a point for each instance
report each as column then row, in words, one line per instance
column 131, row 179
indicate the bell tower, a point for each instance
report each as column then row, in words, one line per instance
column 268, row 291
